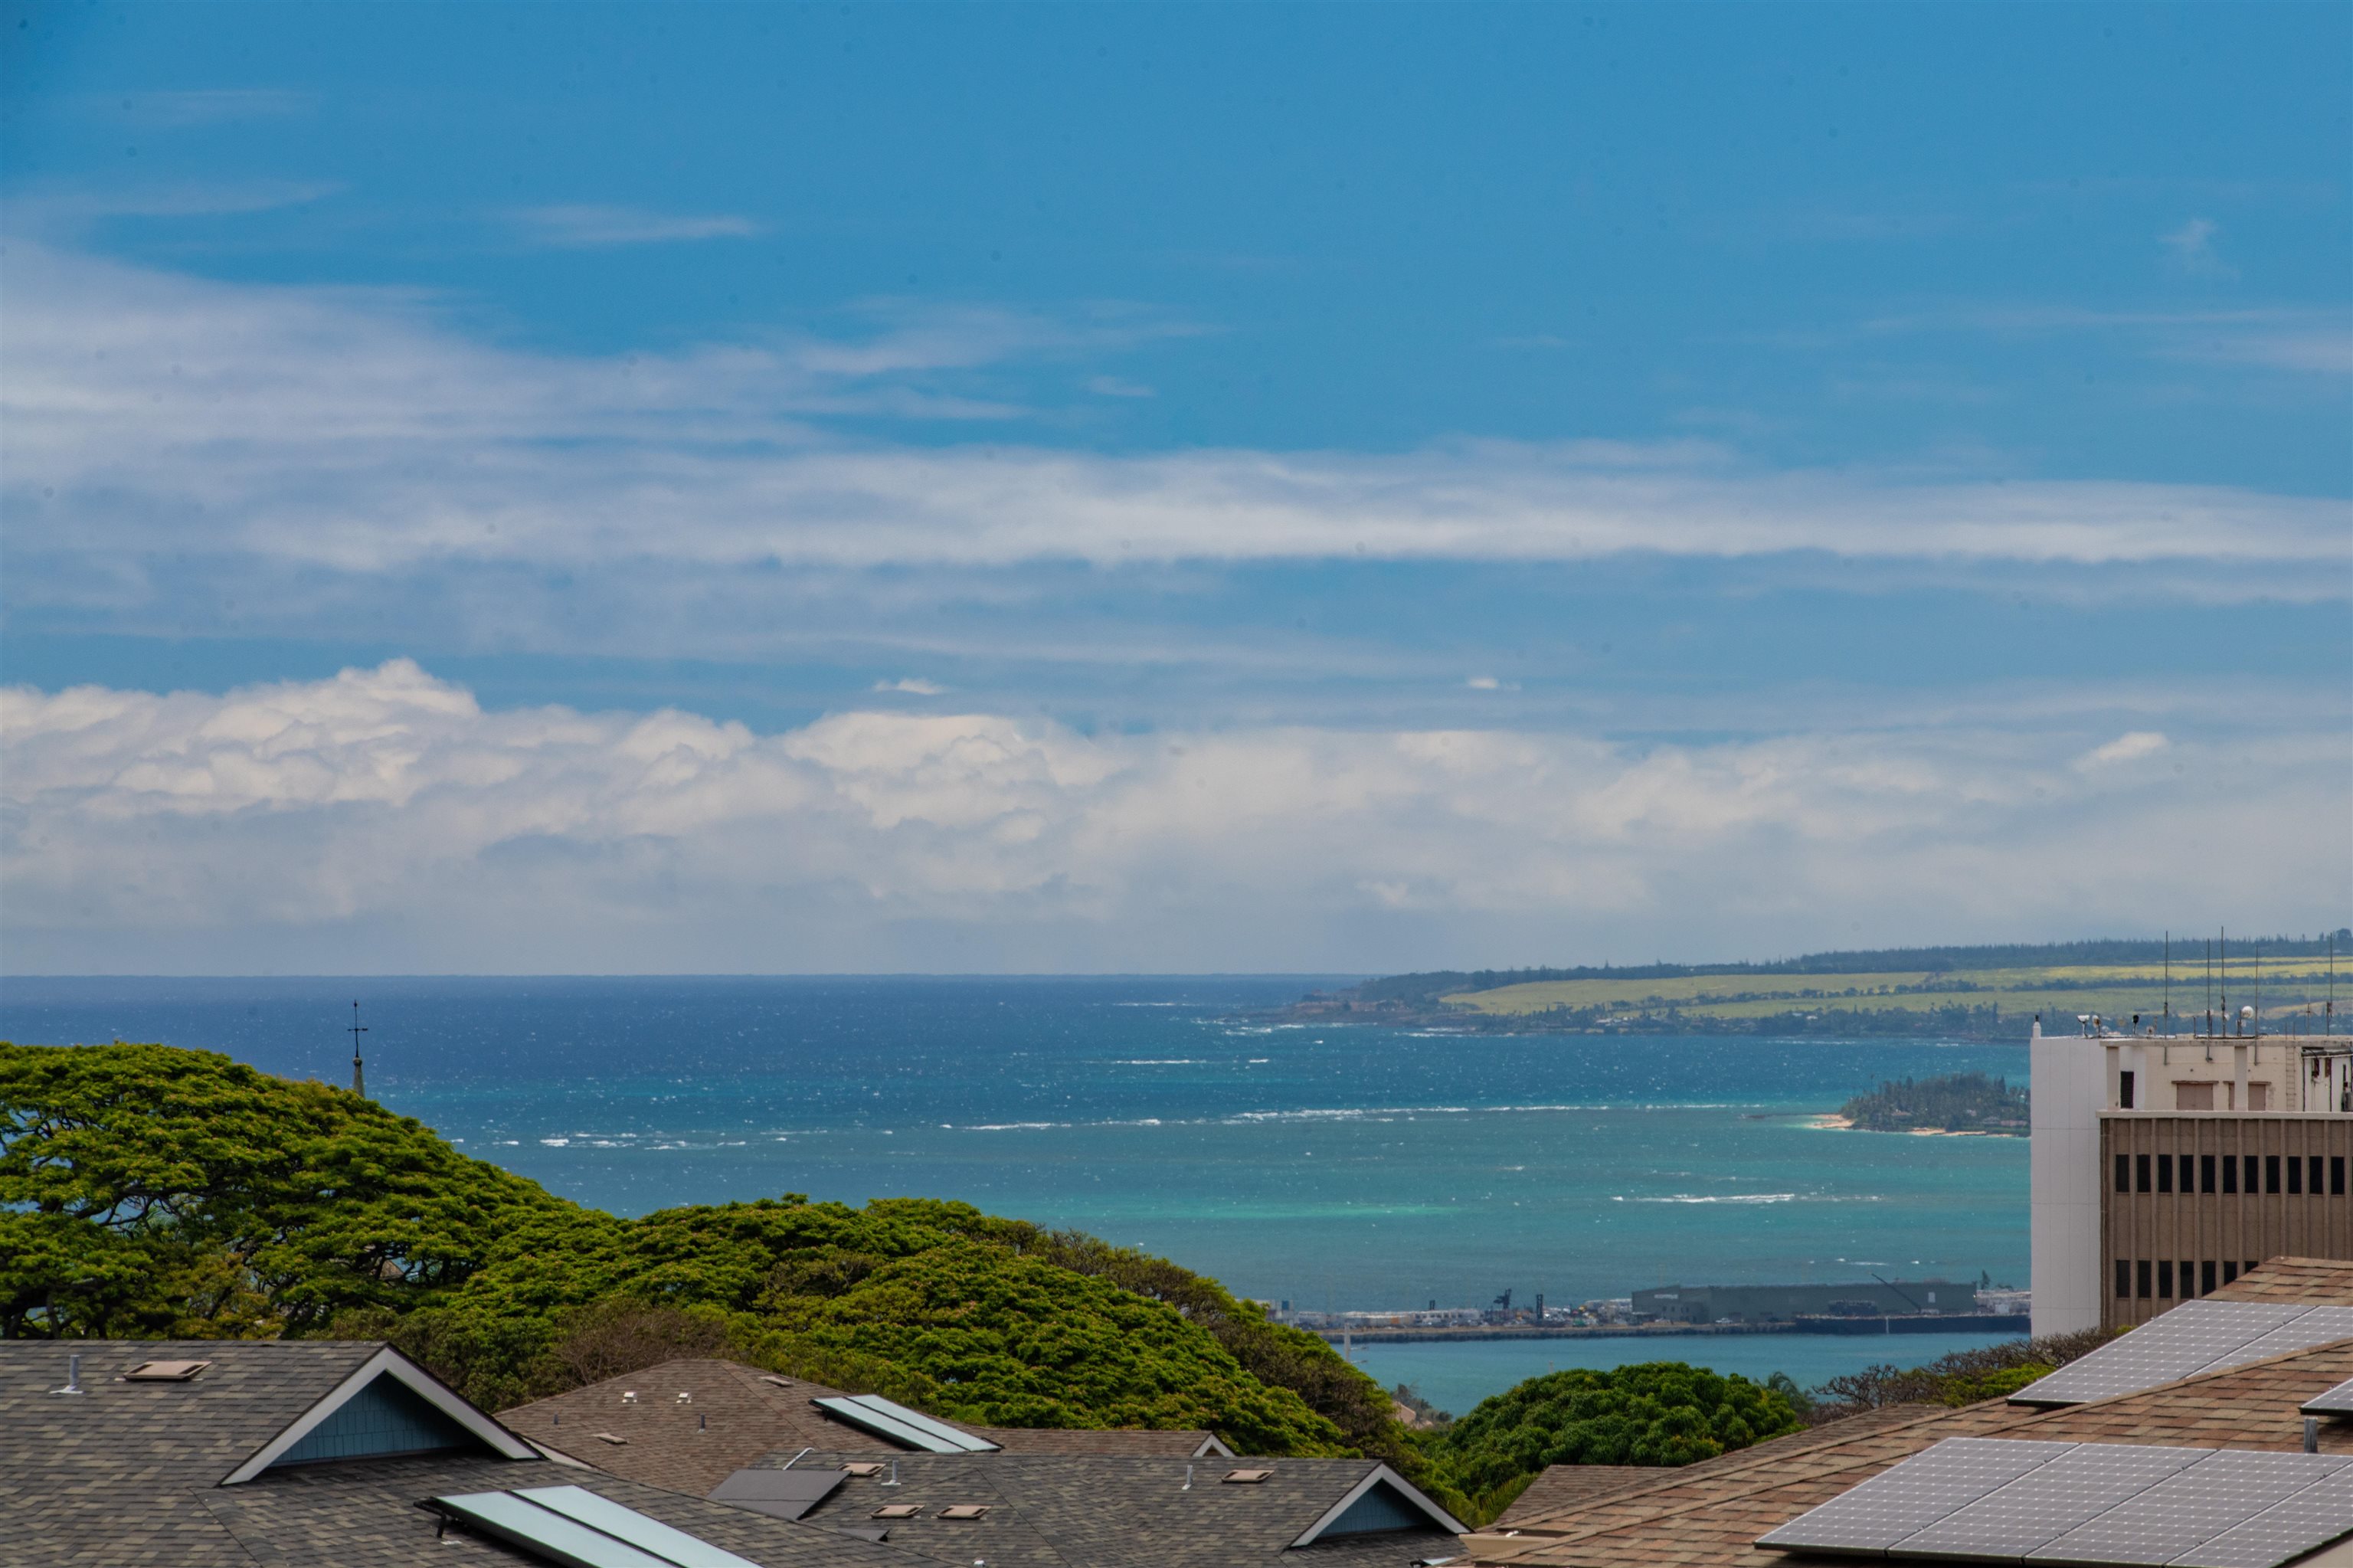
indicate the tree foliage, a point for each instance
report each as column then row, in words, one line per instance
column 1963, row 1377
column 150, row 1192
column 1653, row 1413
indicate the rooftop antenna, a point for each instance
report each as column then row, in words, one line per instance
column 2224, row 950
column 359, row 1080
column 2168, row 982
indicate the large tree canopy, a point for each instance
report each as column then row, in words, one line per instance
column 146, row 1191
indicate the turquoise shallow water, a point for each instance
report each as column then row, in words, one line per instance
column 1333, row 1167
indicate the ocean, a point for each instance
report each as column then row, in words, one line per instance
column 1328, row 1166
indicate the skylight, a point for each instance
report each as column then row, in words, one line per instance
column 164, row 1372
column 885, row 1418
column 573, row 1526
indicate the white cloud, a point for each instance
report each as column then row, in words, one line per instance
column 1117, row 386
column 383, row 819
column 2191, row 249
column 913, row 685
column 154, row 417
column 2129, row 747
column 583, row 226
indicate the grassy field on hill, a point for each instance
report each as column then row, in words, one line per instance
column 1990, row 990
column 2283, row 986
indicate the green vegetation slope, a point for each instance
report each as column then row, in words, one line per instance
column 149, row 1192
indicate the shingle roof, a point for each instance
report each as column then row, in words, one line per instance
column 1104, row 1511
column 1564, row 1487
column 366, row 1516
column 128, row 1474
column 736, row 1414
column 1712, row 1514
column 115, row 1465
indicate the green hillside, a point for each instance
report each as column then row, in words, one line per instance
column 1993, row 989
column 147, row 1192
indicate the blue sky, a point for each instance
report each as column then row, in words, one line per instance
column 976, row 407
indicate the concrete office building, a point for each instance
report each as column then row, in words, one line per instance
column 2164, row 1166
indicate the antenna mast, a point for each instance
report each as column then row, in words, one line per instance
column 359, row 1080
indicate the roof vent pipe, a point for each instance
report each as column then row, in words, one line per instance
column 2312, row 1433
column 73, row 1375
column 1189, row 1480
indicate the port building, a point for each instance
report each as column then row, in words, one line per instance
column 2164, row 1166
column 1788, row 1303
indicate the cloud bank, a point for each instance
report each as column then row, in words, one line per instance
column 152, row 416
column 385, row 821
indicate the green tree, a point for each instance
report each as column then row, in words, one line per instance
column 1653, row 1413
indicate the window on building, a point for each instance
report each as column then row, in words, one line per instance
column 2140, row 1173
column 2230, row 1272
column 2205, row 1172
column 2164, row 1172
column 2124, row 1091
column 2141, row 1278
column 2252, row 1186
column 2337, row 1175
column 2165, row 1280
column 2206, row 1277
column 2124, row 1279
column 2192, row 1097
column 2124, row 1172
column 2250, row 1268
column 2271, row 1173
column 2189, row 1279
column 2259, row 1097
column 2312, row 1182
column 2229, row 1173
column 2294, row 1174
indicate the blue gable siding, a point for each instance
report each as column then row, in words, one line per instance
column 384, row 1417
column 1380, row 1509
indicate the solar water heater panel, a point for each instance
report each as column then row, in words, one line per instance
column 544, row 1534
column 2046, row 1502
column 780, row 1494
column 1902, row 1500
column 2190, row 1508
column 640, row 1530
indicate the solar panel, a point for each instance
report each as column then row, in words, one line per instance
column 2194, row 1335
column 2338, row 1400
column 779, row 1494
column 2190, row 1508
column 650, row 1535
column 544, row 1534
column 886, row 1418
column 1908, row 1496
column 2312, row 1518
column 2047, row 1501
column 2317, row 1327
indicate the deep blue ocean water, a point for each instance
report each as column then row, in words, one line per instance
column 1329, row 1166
